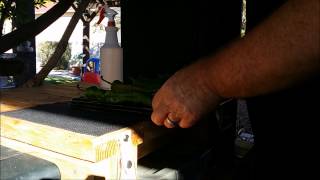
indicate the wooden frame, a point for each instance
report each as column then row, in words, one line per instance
column 112, row 155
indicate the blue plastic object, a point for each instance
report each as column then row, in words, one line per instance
column 91, row 72
column 92, row 65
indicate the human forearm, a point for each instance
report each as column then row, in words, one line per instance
column 280, row 52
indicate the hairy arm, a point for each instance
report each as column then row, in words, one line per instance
column 279, row 53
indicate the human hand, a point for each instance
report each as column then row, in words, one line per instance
column 184, row 98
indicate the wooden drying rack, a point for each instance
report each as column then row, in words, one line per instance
column 78, row 156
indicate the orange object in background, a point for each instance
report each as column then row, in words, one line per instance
column 76, row 71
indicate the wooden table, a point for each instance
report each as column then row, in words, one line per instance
column 79, row 156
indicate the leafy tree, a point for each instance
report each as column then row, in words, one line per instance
column 32, row 28
column 61, row 47
column 9, row 10
column 46, row 50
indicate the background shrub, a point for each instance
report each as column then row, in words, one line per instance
column 47, row 48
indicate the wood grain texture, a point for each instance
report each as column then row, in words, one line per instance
column 15, row 99
column 86, row 147
column 112, row 155
column 74, row 168
column 12, row 105
column 19, row 98
column 152, row 137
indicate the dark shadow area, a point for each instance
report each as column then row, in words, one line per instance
column 160, row 38
column 93, row 177
column 11, row 67
column 204, row 151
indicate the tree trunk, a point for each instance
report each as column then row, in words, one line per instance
column 61, row 47
column 86, row 41
column 27, row 54
column 86, row 19
column 34, row 27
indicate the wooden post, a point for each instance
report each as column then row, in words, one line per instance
column 26, row 51
column 86, row 19
column 86, row 40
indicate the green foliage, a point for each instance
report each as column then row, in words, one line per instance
column 76, row 60
column 115, row 97
column 8, row 7
column 138, row 92
column 41, row 3
column 47, row 48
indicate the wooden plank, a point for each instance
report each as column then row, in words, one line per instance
column 48, row 137
column 27, row 97
column 74, row 168
column 74, row 145
column 20, row 98
column 153, row 137
column 57, row 91
column 86, row 147
column 14, row 105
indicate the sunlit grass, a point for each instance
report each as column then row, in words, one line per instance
column 59, row 80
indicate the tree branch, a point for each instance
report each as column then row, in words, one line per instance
column 61, row 47
column 34, row 27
